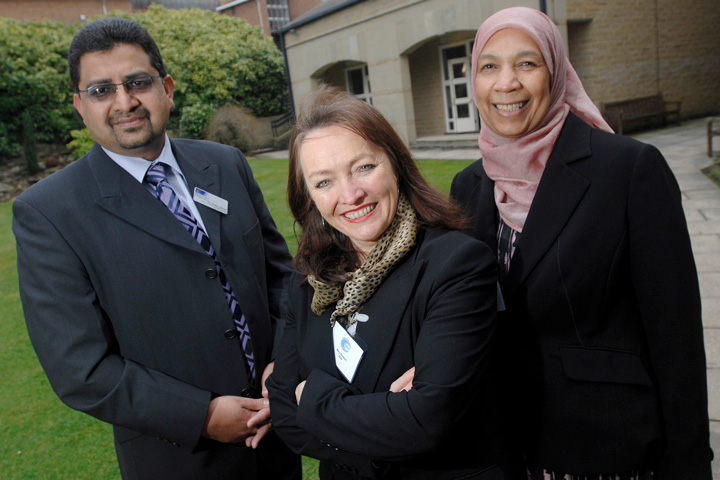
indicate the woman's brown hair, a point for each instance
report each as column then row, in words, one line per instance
column 324, row 252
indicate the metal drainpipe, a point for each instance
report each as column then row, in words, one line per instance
column 543, row 7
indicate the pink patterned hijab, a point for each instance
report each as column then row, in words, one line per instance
column 516, row 164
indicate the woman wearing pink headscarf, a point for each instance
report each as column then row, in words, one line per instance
column 601, row 357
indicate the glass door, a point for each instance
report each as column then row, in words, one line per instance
column 357, row 81
column 461, row 92
column 460, row 111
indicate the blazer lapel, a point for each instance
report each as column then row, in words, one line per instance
column 204, row 175
column 560, row 190
column 123, row 196
column 386, row 310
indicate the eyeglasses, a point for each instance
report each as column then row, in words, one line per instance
column 105, row 92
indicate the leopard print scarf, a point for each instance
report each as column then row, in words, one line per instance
column 393, row 245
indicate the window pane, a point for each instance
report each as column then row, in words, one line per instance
column 455, row 52
column 355, row 81
column 449, row 102
column 459, row 70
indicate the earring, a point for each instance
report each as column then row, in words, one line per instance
column 323, row 221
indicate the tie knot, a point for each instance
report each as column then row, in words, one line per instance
column 156, row 174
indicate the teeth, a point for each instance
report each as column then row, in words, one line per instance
column 360, row 213
column 510, row 108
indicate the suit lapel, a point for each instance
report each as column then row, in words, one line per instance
column 560, row 190
column 126, row 198
column 204, row 175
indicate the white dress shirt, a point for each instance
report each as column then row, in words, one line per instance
column 138, row 167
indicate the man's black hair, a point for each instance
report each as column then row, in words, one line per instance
column 102, row 35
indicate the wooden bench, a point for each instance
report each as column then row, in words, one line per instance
column 640, row 112
column 712, row 130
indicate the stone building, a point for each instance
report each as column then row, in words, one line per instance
column 411, row 58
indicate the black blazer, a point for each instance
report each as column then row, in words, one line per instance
column 124, row 310
column 436, row 311
column 603, row 330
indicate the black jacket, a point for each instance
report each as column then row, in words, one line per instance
column 605, row 362
column 435, row 311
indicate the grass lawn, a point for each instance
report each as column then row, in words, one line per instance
column 40, row 438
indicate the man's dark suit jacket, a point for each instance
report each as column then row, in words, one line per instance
column 434, row 311
column 125, row 311
column 602, row 335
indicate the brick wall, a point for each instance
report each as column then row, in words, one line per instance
column 249, row 11
column 631, row 48
column 298, row 7
column 690, row 53
column 427, row 90
column 61, row 10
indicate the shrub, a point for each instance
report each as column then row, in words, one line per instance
column 217, row 60
column 82, row 142
column 195, row 119
column 7, row 145
column 214, row 60
column 30, row 143
column 34, row 79
column 234, row 126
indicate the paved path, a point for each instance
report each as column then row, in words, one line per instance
column 685, row 148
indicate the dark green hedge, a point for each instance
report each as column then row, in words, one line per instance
column 214, row 59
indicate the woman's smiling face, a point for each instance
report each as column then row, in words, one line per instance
column 512, row 83
column 352, row 183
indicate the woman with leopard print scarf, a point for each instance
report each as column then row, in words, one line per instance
column 384, row 365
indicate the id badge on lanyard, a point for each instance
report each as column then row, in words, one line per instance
column 348, row 351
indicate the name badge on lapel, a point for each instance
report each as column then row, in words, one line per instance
column 209, row 200
column 348, row 352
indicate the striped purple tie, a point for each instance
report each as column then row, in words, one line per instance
column 164, row 192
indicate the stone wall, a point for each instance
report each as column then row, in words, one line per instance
column 631, row 48
column 385, row 34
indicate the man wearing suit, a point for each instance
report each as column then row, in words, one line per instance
column 136, row 322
